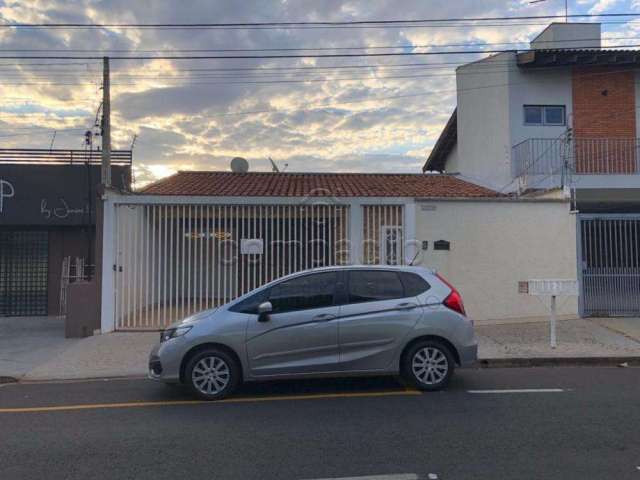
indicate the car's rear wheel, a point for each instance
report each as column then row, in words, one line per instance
column 428, row 365
column 212, row 374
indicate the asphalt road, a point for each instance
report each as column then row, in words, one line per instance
column 565, row 423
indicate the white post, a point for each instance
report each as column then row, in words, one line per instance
column 552, row 323
column 355, row 233
column 411, row 247
column 107, row 317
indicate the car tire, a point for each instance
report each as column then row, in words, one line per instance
column 212, row 374
column 428, row 365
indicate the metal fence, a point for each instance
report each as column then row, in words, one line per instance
column 174, row 260
column 59, row 156
column 582, row 156
column 609, row 264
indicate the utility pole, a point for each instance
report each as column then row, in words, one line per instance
column 106, row 125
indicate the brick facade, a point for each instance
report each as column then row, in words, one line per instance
column 604, row 120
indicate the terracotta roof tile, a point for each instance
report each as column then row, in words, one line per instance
column 263, row 184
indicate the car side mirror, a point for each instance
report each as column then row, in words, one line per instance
column 264, row 309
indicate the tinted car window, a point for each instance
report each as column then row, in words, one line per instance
column 374, row 285
column 250, row 304
column 303, row 293
column 414, row 284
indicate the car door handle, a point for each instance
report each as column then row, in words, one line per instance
column 406, row 306
column 323, row 317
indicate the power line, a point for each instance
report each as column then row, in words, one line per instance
column 343, row 23
column 303, row 49
column 266, row 57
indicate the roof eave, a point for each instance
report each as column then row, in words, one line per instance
column 444, row 145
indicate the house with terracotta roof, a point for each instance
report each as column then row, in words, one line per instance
column 196, row 240
column 560, row 118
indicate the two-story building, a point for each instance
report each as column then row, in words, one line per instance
column 561, row 119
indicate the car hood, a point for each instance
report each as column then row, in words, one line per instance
column 196, row 317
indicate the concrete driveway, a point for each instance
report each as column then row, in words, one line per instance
column 27, row 342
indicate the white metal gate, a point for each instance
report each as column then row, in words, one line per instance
column 609, row 264
column 383, row 234
column 173, row 260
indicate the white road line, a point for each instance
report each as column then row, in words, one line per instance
column 397, row 476
column 521, row 390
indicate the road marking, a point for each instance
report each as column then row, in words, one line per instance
column 397, row 476
column 96, row 406
column 521, row 390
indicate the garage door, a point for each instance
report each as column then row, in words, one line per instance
column 23, row 273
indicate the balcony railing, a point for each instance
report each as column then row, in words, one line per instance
column 580, row 156
column 61, row 157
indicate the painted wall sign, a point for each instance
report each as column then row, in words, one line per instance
column 6, row 191
column 52, row 194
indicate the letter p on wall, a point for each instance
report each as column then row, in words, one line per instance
column 6, row 191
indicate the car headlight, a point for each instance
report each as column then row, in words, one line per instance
column 170, row 333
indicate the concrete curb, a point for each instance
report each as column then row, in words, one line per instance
column 558, row 362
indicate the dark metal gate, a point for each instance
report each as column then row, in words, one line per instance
column 24, row 259
column 609, row 264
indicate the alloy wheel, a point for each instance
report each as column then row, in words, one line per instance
column 430, row 366
column 211, row 375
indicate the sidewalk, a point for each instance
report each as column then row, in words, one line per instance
column 125, row 354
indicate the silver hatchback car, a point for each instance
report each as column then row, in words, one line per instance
column 335, row 321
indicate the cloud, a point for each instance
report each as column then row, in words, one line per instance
column 190, row 114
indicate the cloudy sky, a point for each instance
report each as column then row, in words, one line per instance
column 375, row 114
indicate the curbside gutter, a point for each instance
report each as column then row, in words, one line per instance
column 559, row 362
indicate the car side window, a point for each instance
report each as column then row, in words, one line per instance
column 304, row 293
column 250, row 304
column 374, row 285
column 414, row 284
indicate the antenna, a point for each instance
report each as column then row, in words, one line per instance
column 133, row 142
column 274, row 167
column 566, row 8
column 53, row 139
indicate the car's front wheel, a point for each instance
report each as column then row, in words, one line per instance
column 428, row 365
column 212, row 374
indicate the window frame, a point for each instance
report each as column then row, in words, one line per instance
column 544, row 122
column 347, row 283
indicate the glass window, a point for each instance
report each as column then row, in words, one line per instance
column 303, row 293
column 532, row 115
column 374, row 285
column 414, row 284
column 554, row 115
column 544, row 115
column 250, row 304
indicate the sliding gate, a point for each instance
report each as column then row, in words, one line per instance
column 173, row 260
column 609, row 264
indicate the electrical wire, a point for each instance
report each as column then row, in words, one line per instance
column 341, row 23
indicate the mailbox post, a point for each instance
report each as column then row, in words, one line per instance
column 551, row 288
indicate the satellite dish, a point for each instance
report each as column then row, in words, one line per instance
column 239, row 165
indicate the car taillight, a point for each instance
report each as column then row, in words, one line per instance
column 454, row 299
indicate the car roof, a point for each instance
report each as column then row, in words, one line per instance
column 395, row 268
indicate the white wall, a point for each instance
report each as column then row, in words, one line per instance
column 495, row 244
column 568, row 35
column 483, row 120
column 545, row 87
